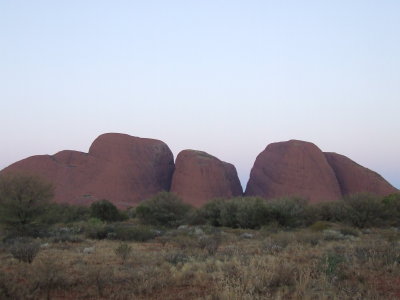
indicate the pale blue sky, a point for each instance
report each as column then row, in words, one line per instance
column 226, row 77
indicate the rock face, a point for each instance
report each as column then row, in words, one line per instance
column 297, row 168
column 120, row 168
column 126, row 170
column 293, row 168
column 200, row 177
column 354, row 178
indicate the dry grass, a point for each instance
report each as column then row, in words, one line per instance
column 300, row 264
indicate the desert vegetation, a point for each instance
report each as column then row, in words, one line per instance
column 241, row 248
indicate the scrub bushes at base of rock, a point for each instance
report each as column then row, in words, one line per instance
column 164, row 209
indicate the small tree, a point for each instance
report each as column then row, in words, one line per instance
column 23, row 199
column 163, row 209
column 105, row 211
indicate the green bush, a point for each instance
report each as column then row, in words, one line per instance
column 290, row 212
column 64, row 213
column 252, row 212
column 391, row 207
column 119, row 231
column 364, row 210
column 361, row 210
column 137, row 233
column 211, row 211
column 98, row 231
column 228, row 214
column 240, row 212
column 195, row 217
column 334, row 211
column 105, row 211
column 164, row 209
column 23, row 199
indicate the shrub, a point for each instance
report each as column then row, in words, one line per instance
column 64, row 213
column 391, row 207
column 212, row 211
column 25, row 249
column 164, row 209
column 22, row 200
column 96, row 229
column 137, row 233
column 228, row 213
column 240, row 212
column 364, row 210
column 289, row 212
column 105, row 211
column 195, row 217
column 120, row 231
column 334, row 211
column 123, row 251
column 251, row 212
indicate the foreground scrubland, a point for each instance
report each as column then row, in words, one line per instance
column 242, row 248
column 324, row 261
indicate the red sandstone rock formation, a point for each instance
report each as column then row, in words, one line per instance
column 354, row 178
column 293, row 168
column 127, row 170
column 200, row 177
column 121, row 168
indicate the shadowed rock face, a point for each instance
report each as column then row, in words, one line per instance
column 121, row 168
column 354, row 178
column 200, row 177
column 293, row 168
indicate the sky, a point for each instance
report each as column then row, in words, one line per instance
column 225, row 77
